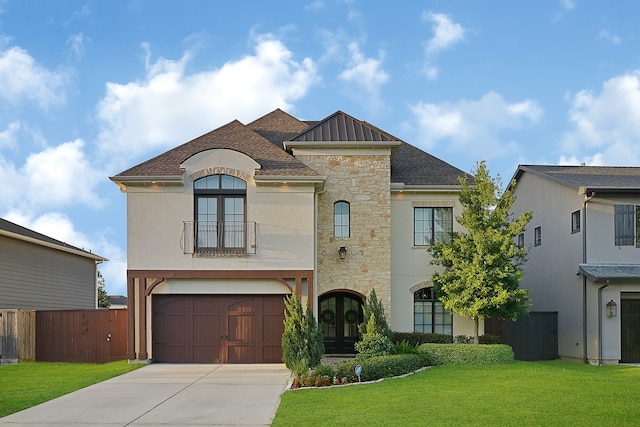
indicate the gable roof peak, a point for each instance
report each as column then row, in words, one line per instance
column 341, row 127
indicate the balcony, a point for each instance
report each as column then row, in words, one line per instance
column 218, row 238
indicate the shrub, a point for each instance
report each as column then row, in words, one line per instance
column 324, row 371
column 470, row 354
column 381, row 367
column 373, row 342
column 416, row 338
column 489, row 339
column 302, row 345
column 404, row 347
column 463, row 339
column 373, row 307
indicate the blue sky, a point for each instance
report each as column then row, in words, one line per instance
column 90, row 88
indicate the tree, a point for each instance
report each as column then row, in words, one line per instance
column 482, row 265
column 373, row 307
column 103, row 298
column 302, row 340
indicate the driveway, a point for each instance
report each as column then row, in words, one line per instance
column 167, row 394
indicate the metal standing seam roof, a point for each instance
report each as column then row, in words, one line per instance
column 602, row 272
column 264, row 140
column 609, row 178
column 10, row 229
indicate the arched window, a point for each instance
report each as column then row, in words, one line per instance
column 341, row 219
column 429, row 314
column 220, row 210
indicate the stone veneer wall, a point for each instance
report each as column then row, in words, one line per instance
column 364, row 182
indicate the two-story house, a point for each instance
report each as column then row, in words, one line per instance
column 584, row 256
column 222, row 228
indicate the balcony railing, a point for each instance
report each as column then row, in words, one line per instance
column 219, row 237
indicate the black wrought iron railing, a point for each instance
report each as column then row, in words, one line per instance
column 219, row 237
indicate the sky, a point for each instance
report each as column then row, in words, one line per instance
column 90, row 88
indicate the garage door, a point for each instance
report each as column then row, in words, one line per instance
column 217, row 328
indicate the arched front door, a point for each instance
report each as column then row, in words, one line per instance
column 340, row 314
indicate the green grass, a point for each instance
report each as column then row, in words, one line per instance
column 24, row 385
column 555, row 393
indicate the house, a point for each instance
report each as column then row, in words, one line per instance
column 584, row 256
column 117, row 302
column 38, row 272
column 221, row 228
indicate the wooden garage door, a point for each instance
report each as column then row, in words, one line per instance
column 217, row 328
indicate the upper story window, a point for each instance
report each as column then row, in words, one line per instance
column 220, row 209
column 537, row 236
column 520, row 240
column 341, row 219
column 431, row 225
column 429, row 314
column 626, row 225
column 575, row 222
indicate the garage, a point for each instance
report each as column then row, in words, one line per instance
column 217, row 328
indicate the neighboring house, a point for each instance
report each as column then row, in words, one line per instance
column 41, row 273
column 221, row 228
column 117, row 301
column 584, row 256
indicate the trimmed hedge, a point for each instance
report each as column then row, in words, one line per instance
column 467, row 354
column 416, row 338
column 374, row 368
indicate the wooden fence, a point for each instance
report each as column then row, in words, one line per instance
column 17, row 336
column 532, row 337
column 87, row 336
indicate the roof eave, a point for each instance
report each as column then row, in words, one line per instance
column 316, row 181
column 67, row 249
column 397, row 187
column 147, row 181
column 341, row 144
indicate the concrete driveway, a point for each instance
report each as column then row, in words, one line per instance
column 167, row 394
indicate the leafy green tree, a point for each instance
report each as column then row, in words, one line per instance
column 373, row 306
column 103, row 298
column 482, row 265
column 302, row 340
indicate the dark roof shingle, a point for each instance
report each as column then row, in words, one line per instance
column 591, row 177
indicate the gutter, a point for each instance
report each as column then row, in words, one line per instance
column 587, row 199
column 600, row 322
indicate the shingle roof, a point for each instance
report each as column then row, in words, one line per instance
column 605, row 178
column 234, row 136
column 601, row 272
column 9, row 228
column 263, row 140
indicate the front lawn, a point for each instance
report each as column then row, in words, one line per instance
column 24, row 385
column 554, row 393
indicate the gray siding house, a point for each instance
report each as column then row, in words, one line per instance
column 38, row 272
column 584, row 256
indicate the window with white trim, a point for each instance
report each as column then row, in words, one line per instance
column 429, row 314
column 431, row 225
column 626, row 225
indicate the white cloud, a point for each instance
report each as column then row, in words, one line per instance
column 611, row 38
column 473, row 127
column 568, row 4
column 366, row 74
column 8, row 137
column 606, row 129
column 61, row 175
column 171, row 106
column 446, row 33
column 21, row 78
column 77, row 44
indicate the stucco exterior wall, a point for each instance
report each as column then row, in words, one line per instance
column 411, row 265
column 551, row 272
column 284, row 215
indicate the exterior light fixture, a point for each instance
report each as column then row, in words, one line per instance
column 612, row 309
column 342, row 252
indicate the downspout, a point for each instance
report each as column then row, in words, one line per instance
column 600, row 322
column 587, row 199
column 316, row 305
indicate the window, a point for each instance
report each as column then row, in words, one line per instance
column 537, row 236
column 429, row 314
column 575, row 222
column 431, row 225
column 220, row 214
column 626, row 225
column 341, row 220
column 520, row 241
